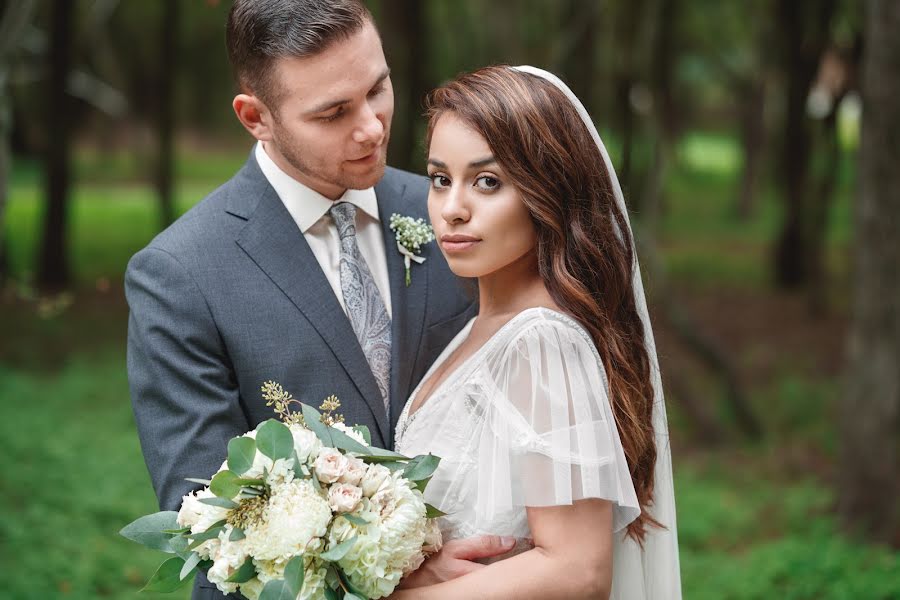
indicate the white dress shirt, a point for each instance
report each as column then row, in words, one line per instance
column 310, row 212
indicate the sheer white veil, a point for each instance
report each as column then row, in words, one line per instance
column 659, row 557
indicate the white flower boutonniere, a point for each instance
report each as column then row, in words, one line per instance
column 411, row 235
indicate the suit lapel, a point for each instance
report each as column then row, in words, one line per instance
column 273, row 241
column 407, row 303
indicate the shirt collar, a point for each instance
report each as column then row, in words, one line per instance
column 304, row 204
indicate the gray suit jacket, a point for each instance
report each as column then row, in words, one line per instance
column 231, row 295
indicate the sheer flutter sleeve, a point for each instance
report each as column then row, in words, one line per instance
column 549, row 436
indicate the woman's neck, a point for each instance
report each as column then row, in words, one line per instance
column 513, row 288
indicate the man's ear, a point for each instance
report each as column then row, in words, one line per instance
column 254, row 115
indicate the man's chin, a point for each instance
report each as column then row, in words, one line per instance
column 366, row 180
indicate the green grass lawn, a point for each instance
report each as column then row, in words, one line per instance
column 751, row 525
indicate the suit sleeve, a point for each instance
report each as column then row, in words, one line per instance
column 183, row 389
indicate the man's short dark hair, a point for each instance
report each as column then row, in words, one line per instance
column 260, row 32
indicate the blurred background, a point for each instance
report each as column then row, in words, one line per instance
column 764, row 197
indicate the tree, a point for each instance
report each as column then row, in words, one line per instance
column 867, row 485
column 13, row 22
column 165, row 122
column 53, row 271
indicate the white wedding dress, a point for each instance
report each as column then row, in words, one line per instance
column 526, row 421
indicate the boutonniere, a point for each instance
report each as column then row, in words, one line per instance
column 411, row 235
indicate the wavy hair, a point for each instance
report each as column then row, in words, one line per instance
column 584, row 250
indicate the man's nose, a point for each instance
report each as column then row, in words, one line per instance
column 370, row 129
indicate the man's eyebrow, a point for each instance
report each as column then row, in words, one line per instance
column 329, row 104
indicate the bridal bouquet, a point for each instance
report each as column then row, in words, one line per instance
column 303, row 508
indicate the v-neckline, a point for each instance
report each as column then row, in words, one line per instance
column 448, row 351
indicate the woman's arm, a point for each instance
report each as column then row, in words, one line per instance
column 572, row 558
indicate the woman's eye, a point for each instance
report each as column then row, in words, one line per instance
column 440, row 181
column 488, row 183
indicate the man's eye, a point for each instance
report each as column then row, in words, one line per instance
column 374, row 92
column 333, row 117
column 486, row 182
column 440, row 181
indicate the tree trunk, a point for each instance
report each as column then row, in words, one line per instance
column 804, row 30
column 53, row 271
column 405, row 44
column 12, row 23
column 868, row 484
column 753, row 139
column 166, row 117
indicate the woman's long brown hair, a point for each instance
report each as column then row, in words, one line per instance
column 584, row 249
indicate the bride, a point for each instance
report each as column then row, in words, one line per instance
column 547, row 408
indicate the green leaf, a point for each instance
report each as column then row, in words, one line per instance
column 314, row 421
column 340, row 551
column 421, row 467
column 220, row 502
column 277, row 589
column 225, row 485
column 354, row 519
column 432, row 513
column 200, row 481
column 189, row 565
column 274, row 440
column 364, row 431
column 315, row 479
column 179, row 546
column 293, row 574
column 245, row 572
column 346, row 443
column 241, row 453
column 421, row 484
column 376, row 451
column 237, row 534
column 149, row 530
column 330, row 594
column 177, row 531
column 351, row 595
column 349, row 584
column 212, row 532
column 298, row 467
column 167, row 577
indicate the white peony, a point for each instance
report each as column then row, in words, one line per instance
column 344, row 497
column 434, row 540
column 295, row 516
column 330, row 465
column 356, row 470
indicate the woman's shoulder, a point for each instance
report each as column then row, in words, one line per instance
column 538, row 328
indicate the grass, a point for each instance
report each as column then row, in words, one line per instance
column 754, row 520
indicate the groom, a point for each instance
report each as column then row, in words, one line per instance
column 290, row 271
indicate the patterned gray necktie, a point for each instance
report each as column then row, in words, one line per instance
column 365, row 307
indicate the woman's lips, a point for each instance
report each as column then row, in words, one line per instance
column 458, row 243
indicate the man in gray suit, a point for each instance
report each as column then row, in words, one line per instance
column 289, row 271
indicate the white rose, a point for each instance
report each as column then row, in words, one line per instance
column 306, row 443
column 356, row 470
column 343, row 497
column 374, row 477
column 191, row 510
column 330, row 465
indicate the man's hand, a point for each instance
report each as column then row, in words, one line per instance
column 456, row 559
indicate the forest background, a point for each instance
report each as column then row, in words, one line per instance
column 758, row 144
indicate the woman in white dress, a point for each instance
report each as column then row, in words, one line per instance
column 546, row 409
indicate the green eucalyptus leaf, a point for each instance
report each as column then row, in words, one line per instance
column 237, row 534
column 349, row 584
column 200, row 481
column 149, row 530
column 330, row 594
column 293, row 574
column 344, row 442
column 432, row 513
column 275, row 440
column 314, row 421
column 277, row 589
column 179, row 546
column 421, row 467
column 225, row 485
column 351, row 596
column 167, row 577
column 355, row 519
column 241, row 453
column 220, row 502
column 189, row 565
column 421, row 484
column 245, row 572
column 338, row 552
column 315, row 479
column 298, row 467
column 177, row 531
